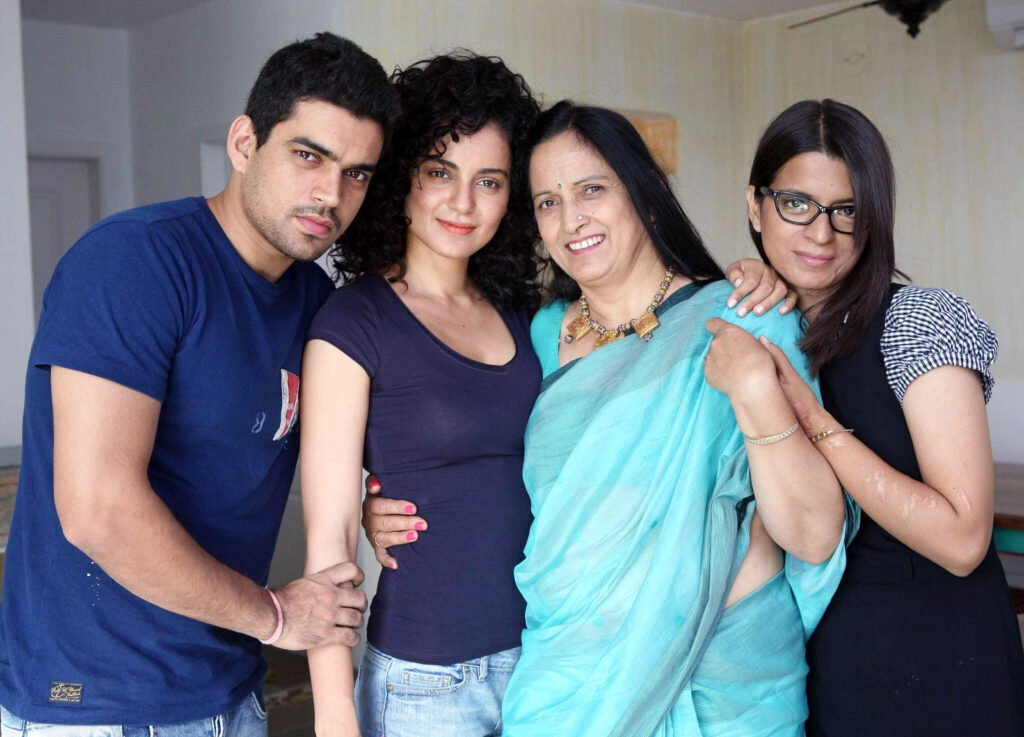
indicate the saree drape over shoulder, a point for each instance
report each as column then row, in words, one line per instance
column 641, row 494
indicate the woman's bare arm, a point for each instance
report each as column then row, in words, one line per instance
column 947, row 517
column 334, row 405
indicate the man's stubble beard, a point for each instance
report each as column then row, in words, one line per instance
column 258, row 213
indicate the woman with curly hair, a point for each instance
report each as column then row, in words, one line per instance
column 420, row 368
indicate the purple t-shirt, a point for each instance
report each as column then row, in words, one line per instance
column 446, row 433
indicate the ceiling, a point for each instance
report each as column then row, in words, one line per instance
column 133, row 13
column 103, row 13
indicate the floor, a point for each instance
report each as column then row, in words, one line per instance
column 288, row 695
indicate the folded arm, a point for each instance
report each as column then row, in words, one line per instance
column 798, row 497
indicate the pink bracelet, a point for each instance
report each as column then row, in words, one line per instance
column 280, row 620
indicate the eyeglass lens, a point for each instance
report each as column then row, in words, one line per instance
column 802, row 210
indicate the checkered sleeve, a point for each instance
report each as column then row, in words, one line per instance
column 928, row 328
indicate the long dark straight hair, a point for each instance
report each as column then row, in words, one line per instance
column 841, row 132
column 612, row 137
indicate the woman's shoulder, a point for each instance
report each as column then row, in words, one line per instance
column 363, row 288
column 778, row 327
column 351, row 320
column 550, row 315
column 365, row 293
column 925, row 328
column 929, row 304
column 357, row 302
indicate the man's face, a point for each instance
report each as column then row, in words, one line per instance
column 303, row 186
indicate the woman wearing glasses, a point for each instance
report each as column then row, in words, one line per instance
column 921, row 637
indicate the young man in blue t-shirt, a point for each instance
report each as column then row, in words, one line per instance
column 159, row 431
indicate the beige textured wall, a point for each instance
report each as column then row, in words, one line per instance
column 949, row 102
column 599, row 51
column 951, row 105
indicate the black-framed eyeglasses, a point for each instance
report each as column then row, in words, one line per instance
column 802, row 210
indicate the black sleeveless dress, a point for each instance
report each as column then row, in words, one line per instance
column 906, row 648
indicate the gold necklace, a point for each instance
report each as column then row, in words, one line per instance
column 644, row 325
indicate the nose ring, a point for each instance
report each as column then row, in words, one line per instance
column 579, row 217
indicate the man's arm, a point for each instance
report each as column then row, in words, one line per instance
column 103, row 439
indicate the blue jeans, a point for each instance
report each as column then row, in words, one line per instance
column 248, row 719
column 398, row 698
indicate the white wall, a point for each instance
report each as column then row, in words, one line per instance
column 215, row 51
column 1006, row 420
column 15, row 255
column 77, row 102
column 190, row 74
column 607, row 53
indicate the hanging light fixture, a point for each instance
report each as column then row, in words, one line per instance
column 911, row 13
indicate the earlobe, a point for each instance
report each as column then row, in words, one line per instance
column 241, row 142
column 753, row 209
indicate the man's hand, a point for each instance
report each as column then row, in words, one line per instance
column 323, row 608
column 103, row 438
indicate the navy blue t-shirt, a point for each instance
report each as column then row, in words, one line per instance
column 157, row 300
column 445, row 432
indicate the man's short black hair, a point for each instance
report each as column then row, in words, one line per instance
column 325, row 67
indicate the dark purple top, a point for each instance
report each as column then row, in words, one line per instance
column 446, row 433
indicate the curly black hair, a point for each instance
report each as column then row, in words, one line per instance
column 454, row 94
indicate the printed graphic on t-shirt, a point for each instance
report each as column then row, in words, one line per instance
column 289, row 403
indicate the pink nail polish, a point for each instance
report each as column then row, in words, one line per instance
column 410, row 536
column 410, row 509
column 394, row 566
column 420, row 526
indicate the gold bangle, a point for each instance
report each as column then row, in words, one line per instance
column 769, row 439
column 825, row 433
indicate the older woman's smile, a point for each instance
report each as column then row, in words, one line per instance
column 585, row 244
column 586, row 218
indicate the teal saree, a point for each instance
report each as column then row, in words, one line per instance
column 641, row 494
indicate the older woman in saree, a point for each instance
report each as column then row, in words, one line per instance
column 686, row 537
